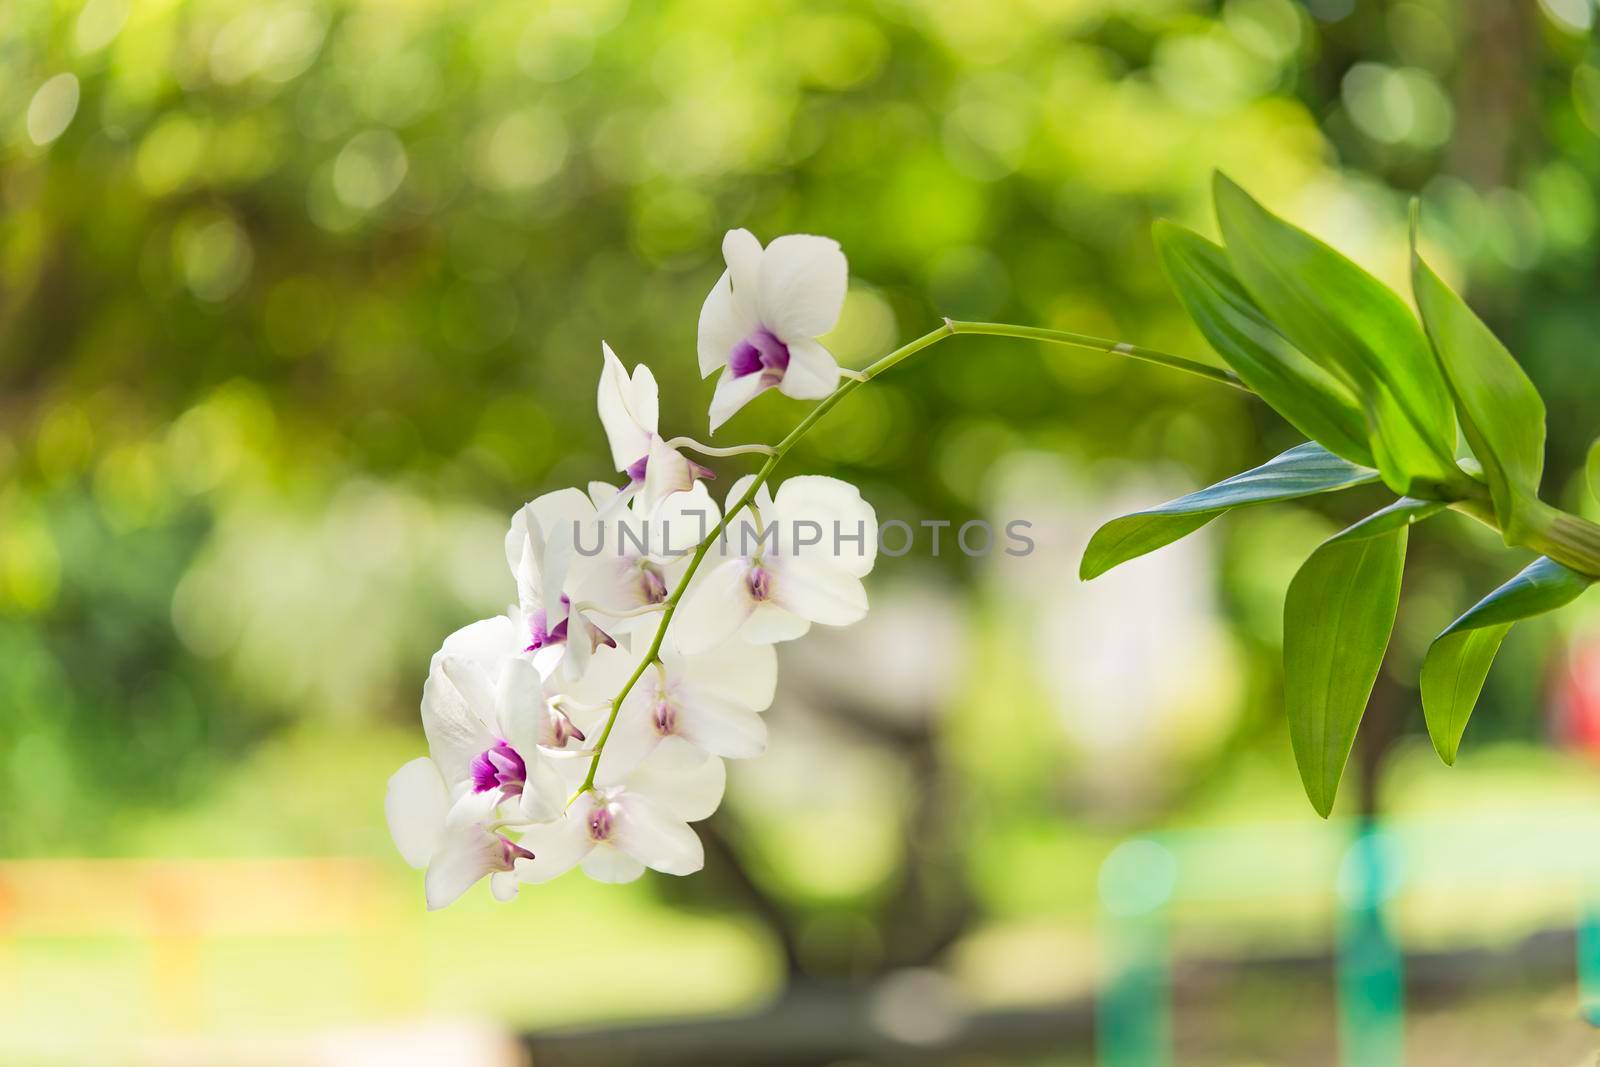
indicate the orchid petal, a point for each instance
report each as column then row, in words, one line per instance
column 715, row 607
column 838, row 508
column 544, row 793
column 732, row 394
column 723, row 324
column 771, row 623
column 503, row 884
column 626, row 432
column 656, row 839
column 812, row 372
column 557, row 846
column 632, row 739
column 736, row 670
column 607, row 863
column 415, row 806
column 520, row 705
column 721, row 727
column 680, row 779
column 803, row 283
column 818, row 590
column 667, row 472
column 742, row 252
column 453, row 720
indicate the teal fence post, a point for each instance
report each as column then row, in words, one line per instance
column 1133, row 1013
column 1371, row 975
column 1588, row 949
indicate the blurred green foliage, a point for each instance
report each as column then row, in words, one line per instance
column 299, row 299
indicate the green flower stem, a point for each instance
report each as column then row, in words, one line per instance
column 849, row 385
column 1096, row 344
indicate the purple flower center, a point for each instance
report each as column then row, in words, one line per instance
column 540, row 634
column 635, row 470
column 499, row 768
column 563, row 730
column 665, row 717
column 511, row 852
column 759, row 581
column 654, row 584
column 600, row 823
column 762, row 353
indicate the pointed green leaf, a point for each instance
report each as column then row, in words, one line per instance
column 1407, row 511
column 1356, row 328
column 1302, row 471
column 1458, row 660
column 1336, row 623
column 1500, row 410
column 1313, row 401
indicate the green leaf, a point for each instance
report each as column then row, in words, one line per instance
column 1458, row 660
column 1407, row 511
column 1356, row 328
column 1313, row 401
column 1302, row 471
column 1336, row 623
column 1500, row 410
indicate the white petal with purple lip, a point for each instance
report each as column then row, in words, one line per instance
column 666, row 472
column 723, row 324
column 803, row 282
column 467, row 851
column 733, row 393
column 453, row 721
column 812, row 372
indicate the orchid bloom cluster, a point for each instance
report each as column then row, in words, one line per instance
column 579, row 729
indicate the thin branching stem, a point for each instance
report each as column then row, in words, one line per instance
column 851, row 383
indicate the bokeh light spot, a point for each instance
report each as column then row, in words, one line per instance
column 52, row 107
column 369, row 169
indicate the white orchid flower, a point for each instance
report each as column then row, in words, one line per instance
column 541, row 550
column 486, row 720
column 761, row 322
column 798, row 560
column 458, row 842
column 629, row 559
column 630, row 413
column 712, row 700
column 614, row 832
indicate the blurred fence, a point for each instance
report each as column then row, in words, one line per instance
column 1376, row 876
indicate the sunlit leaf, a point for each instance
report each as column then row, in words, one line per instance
column 1356, row 328
column 1302, row 471
column 1313, row 401
column 1458, row 660
column 1500, row 410
column 1336, row 623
